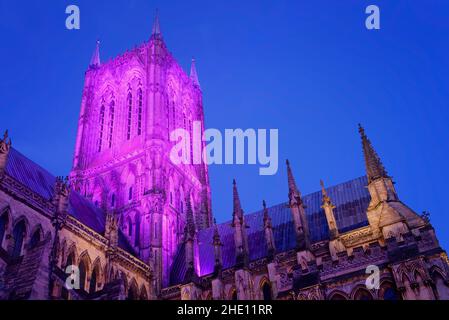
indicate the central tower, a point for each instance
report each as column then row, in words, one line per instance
column 122, row 155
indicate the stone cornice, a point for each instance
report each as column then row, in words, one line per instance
column 45, row 207
column 22, row 193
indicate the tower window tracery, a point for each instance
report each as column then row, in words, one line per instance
column 130, row 114
column 130, row 193
column 111, row 122
column 101, row 121
column 139, row 115
column 113, row 200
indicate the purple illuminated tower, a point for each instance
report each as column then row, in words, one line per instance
column 121, row 162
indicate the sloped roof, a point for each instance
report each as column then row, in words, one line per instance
column 40, row 181
column 350, row 198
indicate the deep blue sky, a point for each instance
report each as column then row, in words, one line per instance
column 308, row 68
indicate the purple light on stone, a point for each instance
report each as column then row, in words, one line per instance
column 129, row 106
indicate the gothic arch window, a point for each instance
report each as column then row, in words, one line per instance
column 441, row 288
column 181, row 200
column 140, row 111
column 388, row 292
column 130, row 227
column 143, row 293
column 122, row 275
column 113, row 200
column 82, row 272
column 266, row 291
column 130, row 193
column 19, row 233
column 189, row 129
column 70, row 260
column 111, row 122
column 362, row 294
column 170, row 188
column 155, row 232
column 3, row 225
column 173, row 115
column 130, row 114
column 137, row 232
column 36, row 237
column 133, row 291
column 101, row 124
column 93, row 283
column 408, row 293
column 425, row 292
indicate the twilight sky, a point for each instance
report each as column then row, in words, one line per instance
column 308, row 68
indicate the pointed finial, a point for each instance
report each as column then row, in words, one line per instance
column 237, row 212
column 323, row 189
column 216, row 237
column 326, row 198
column 266, row 216
column 95, row 60
column 190, row 222
column 194, row 74
column 361, row 131
column 293, row 192
column 156, row 26
column 6, row 139
column 374, row 166
column 5, row 147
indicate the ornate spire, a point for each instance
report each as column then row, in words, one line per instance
column 326, row 199
column 5, row 146
column 239, row 225
column 189, row 234
column 6, row 139
column 194, row 74
column 156, row 27
column 266, row 216
column 293, row 193
column 5, row 136
column 374, row 166
column 298, row 212
column 237, row 212
column 95, row 60
column 217, row 239
column 329, row 212
column 217, row 250
column 189, row 228
column 268, row 228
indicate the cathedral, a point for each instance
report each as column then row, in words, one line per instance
column 135, row 226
